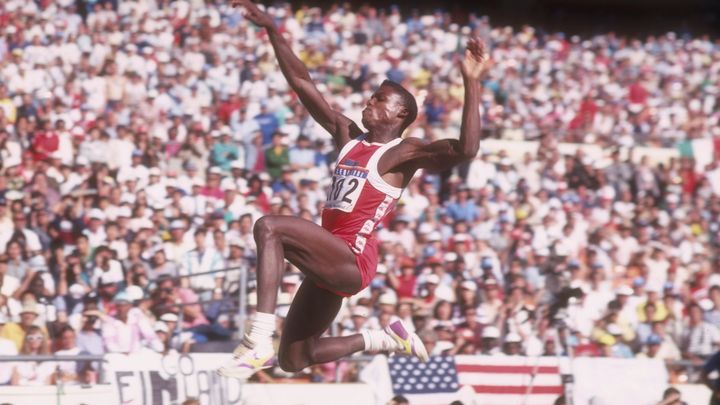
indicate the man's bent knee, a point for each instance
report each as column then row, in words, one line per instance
column 265, row 227
column 292, row 364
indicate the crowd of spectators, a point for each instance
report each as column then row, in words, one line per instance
column 141, row 140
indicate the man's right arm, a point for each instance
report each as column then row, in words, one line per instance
column 340, row 127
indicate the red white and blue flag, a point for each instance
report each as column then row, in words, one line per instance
column 487, row 380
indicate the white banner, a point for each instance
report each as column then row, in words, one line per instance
column 152, row 379
column 618, row 381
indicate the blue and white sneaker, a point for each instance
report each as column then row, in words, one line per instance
column 407, row 342
column 245, row 362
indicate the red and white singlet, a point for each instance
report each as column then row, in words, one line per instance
column 358, row 200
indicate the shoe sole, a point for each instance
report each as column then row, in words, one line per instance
column 238, row 373
column 231, row 370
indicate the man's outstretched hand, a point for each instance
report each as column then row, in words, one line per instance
column 476, row 59
column 253, row 13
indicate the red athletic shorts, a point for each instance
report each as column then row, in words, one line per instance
column 366, row 261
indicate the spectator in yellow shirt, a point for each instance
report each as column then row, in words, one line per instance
column 16, row 332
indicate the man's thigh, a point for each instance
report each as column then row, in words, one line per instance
column 320, row 255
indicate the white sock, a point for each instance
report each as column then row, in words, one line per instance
column 377, row 340
column 261, row 332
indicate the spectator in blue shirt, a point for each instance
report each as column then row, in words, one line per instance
column 268, row 124
column 284, row 182
column 225, row 151
column 302, row 156
column 463, row 208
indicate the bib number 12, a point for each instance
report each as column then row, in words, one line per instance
column 344, row 193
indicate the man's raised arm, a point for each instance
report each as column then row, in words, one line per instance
column 441, row 155
column 340, row 127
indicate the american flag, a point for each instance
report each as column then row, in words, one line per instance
column 410, row 376
column 495, row 380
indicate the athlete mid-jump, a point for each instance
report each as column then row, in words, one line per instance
column 340, row 257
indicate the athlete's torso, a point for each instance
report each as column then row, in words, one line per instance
column 359, row 198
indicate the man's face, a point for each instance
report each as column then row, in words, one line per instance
column 67, row 339
column 107, row 290
column 27, row 318
column 385, row 107
column 123, row 307
column 19, row 220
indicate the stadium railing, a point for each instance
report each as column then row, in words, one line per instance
column 242, row 293
column 99, row 359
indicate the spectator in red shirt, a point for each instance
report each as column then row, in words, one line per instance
column 404, row 285
column 45, row 142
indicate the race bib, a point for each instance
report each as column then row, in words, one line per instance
column 347, row 184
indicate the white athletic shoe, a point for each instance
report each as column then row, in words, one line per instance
column 407, row 343
column 245, row 362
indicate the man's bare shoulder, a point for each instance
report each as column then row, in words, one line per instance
column 346, row 127
column 412, row 144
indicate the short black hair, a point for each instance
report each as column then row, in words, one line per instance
column 408, row 101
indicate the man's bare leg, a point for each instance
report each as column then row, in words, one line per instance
column 326, row 261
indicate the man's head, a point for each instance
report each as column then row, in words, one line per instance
column 390, row 106
column 66, row 338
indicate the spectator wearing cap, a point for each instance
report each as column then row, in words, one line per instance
column 225, row 151
column 163, row 333
column 699, row 338
column 16, row 331
column 212, row 189
column 651, row 347
column 512, row 344
column 88, row 337
column 626, row 312
column 359, row 316
column 195, row 204
column 614, row 344
column 276, row 155
column 645, row 328
column 156, row 189
column 130, row 330
column 400, row 233
column 490, row 345
column 181, row 341
column 202, row 259
column 428, row 293
column 490, row 269
column 134, row 170
column 179, row 243
column 233, row 202
column 489, row 309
